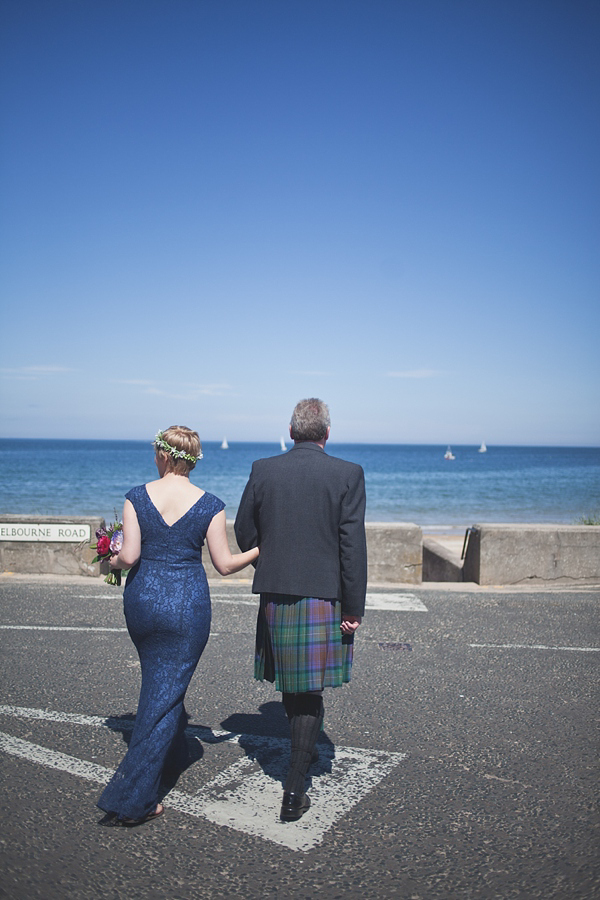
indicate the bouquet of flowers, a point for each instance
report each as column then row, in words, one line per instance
column 109, row 540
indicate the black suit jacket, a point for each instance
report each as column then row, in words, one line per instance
column 306, row 511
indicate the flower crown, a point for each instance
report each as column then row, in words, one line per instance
column 159, row 441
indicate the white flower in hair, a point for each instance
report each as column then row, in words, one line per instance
column 159, row 441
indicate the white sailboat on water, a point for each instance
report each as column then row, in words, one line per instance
column 449, row 454
column 224, row 444
column 483, row 448
column 282, row 444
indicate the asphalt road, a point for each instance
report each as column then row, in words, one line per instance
column 459, row 763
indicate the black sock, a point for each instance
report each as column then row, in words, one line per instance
column 305, row 726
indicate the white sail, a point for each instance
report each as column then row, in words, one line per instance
column 483, row 448
column 449, row 454
column 224, row 444
column 282, row 444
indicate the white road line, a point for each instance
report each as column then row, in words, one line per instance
column 222, row 598
column 392, row 602
column 535, row 647
column 395, row 602
column 246, row 796
column 57, row 628
column 54, row 760
column 49, row 715
column 215, row 598
column 113, row 722
column 70, row 628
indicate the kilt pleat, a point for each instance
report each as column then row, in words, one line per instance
column 299, row 644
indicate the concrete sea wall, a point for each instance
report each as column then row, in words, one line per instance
column 54, row 545
column 397, row 552
column 27, row 546
column 530, row 554
column 394, row 553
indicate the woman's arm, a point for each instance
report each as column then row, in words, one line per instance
column 224, row 561
column 132, row 540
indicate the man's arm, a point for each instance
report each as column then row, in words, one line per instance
column 246, row 531
column 353, row 546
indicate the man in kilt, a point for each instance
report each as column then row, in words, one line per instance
column 305, row 509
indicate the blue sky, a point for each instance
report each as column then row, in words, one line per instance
column 213, row 208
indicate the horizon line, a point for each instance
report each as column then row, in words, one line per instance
column 330, row 442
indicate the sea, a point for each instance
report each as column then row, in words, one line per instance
column 404, row 482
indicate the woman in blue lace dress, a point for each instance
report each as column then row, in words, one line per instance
column 167, row 610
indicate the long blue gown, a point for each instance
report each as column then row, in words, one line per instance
column 167, row 610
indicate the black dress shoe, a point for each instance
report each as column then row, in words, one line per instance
column 294, row 806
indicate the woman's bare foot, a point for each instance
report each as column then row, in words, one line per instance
column 131, row 823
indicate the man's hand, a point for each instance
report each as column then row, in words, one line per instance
column 350, row 624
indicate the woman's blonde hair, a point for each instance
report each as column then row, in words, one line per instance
column 179, row 447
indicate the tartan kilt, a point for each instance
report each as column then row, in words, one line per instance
column 299, row 644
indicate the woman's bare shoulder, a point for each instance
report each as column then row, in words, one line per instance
column 179, row 488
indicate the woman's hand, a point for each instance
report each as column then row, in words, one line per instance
column 113, row 562
column 350, row 624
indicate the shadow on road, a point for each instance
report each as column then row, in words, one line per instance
column 261, row 738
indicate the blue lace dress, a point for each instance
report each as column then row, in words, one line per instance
column 167, row 610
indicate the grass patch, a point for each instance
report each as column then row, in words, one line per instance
column 590, row 519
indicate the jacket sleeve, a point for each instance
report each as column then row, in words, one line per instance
column 353, row 546
column 246, row 531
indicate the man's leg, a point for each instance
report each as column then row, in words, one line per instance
column 289, row 704
column 305, row 712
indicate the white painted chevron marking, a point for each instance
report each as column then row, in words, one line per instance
column 54, row 760
column 250, row 802
column 115, row 723
column 245, row 796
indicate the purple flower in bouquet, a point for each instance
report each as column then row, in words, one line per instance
column 116, row 542
column 100, row 532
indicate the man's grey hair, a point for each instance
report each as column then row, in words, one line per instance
column 310, row 420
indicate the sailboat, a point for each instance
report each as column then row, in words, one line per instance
column 282, row 444
column 483, row 448
column 224, row 444
column 449, row 454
